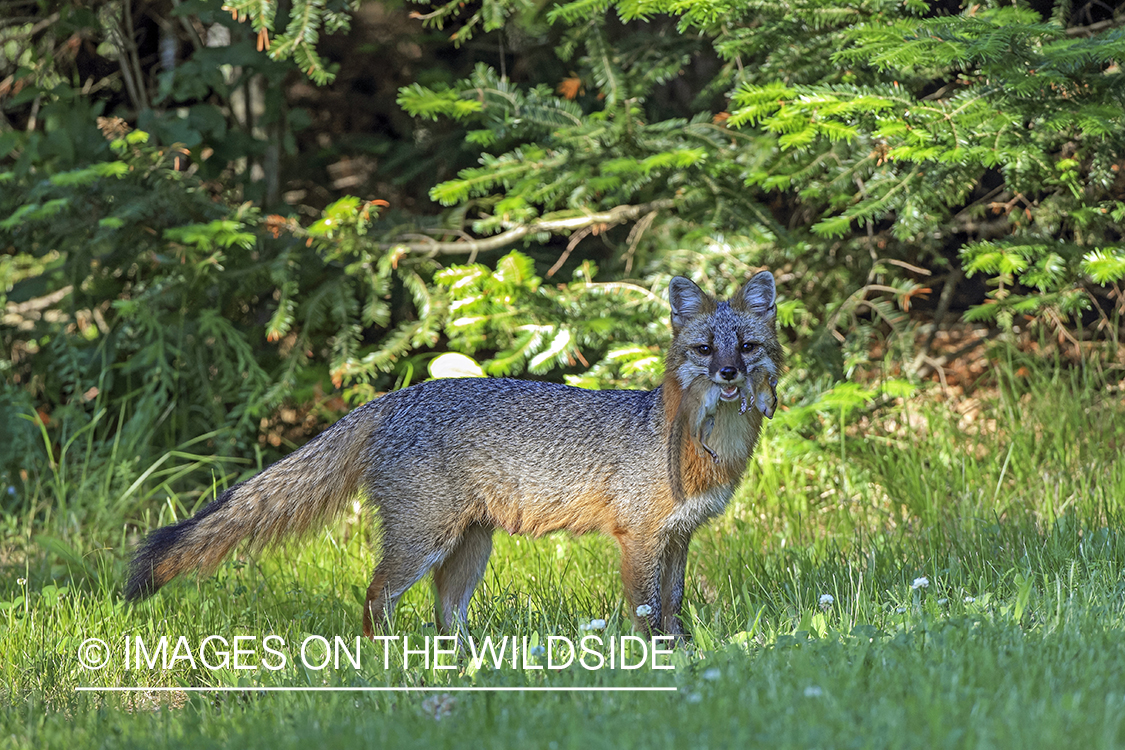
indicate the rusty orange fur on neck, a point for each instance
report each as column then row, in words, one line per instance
column 700, row 473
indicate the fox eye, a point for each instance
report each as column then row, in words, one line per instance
column 703, row 349
column 748, row 346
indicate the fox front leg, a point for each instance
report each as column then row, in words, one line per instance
column 640, row 572
column 673, row 563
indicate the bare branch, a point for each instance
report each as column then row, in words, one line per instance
column 573, row 243
column 121, row 38
column 1095, row 27
column 634, row 238
column 42, row 24
column 192, row 33
column 626, row 286
column 616, row 215
column 132, row 56
column 907, row 266
column 38, row 304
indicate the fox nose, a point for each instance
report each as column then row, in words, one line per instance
column 728, row 373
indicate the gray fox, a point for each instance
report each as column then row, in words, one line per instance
column 447, row 462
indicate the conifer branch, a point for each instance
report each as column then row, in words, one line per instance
column 616, row 215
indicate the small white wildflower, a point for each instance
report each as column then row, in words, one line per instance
column 21, row 581
column 712, row 674
column 598, row 624
column 439, row 706
column 826, row 601
column 920, row 583
column 537, row 651
column 970, row 599
column 813, row 691
column 901, row 610
column 644, row 610
column 942, row 602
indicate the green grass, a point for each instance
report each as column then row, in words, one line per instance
column 1013, row 518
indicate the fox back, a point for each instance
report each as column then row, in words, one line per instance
column 446, row 462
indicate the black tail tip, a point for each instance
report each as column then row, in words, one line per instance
column 143, row 581
column 141, row 585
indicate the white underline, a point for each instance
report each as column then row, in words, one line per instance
column 116, row 689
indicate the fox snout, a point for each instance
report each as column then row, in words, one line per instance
column 729, row 379
column 734, row 385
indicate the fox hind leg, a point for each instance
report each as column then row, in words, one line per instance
column 400, row 568
column 456, row 578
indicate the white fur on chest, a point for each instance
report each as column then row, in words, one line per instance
column 735, row 434
column 697, row 509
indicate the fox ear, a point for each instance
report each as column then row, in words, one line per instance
column 759, row 294
column 687, row 300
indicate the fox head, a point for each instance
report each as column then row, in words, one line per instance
column 731, row 344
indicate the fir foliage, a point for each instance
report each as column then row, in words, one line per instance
column 867, row 151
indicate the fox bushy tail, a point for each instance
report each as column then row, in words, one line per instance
column 297, row 494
